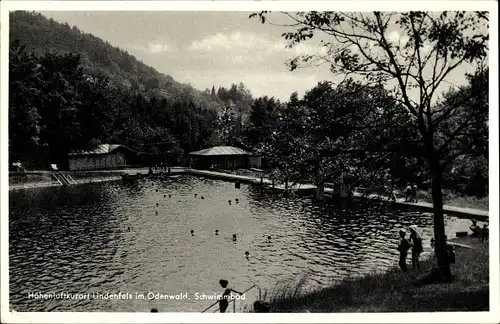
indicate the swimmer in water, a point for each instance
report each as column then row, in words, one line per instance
column 128, row 228
column 237, row 200
column 169, row 196
column 229, row 201
column 216, row 232
column 164, row 196
column 234, row 237
column 247, row 254
column 269, row 238
column 195, row 195
column 192, row 233
column 154, row 310
column 156, row 204
column 202, row 197
column 156, row 212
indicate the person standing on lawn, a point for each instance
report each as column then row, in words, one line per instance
column 408, row 193
column 416, row 246
column 403, row 248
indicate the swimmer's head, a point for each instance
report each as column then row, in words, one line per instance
column 223, row 283
column 154, row 310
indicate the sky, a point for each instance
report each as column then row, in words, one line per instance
column 204, row 49
column 209, row 49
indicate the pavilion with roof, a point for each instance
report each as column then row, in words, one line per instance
column 220, row 157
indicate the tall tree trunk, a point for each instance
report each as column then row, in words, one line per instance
column 320, row 190
column 439, row 232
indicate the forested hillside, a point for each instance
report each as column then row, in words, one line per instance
column 70, row 90
column 42, row 35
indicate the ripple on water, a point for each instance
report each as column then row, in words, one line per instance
column 77, row 240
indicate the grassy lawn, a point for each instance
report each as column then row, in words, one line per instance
column 453, row 199
column 395, row 291
column 29, row 179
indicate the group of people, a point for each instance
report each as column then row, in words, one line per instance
column 163, row 167
column 414, row 243
column 411, row 193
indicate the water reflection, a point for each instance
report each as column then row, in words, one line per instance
column 107, row 237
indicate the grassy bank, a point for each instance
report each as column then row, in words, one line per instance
column 28, row 178
column 396, row 292
column 452, row 199
column 16, row 178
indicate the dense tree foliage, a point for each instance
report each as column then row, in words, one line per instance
column 410, row 51
column 61, row 101
column 56, row 108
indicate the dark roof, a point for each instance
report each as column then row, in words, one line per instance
column 101, row 149
column 220, row 150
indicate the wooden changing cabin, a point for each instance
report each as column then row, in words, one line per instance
column 105, row 156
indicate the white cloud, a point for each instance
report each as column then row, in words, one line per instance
column 159, row 48
column 307, row 49
column 153, row 48
column 396, row 37
column 253, row 43
column 222, row 41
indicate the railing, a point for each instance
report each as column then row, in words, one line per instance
column 64, row 179
column 234, row 300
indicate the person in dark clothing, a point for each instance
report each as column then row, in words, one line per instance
column 414, row 191
column 485, row 233
column 476, row 230
column 223, row 302
column 416, row 246
column 403, row 248
column 408, row 193
column 261, row 307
